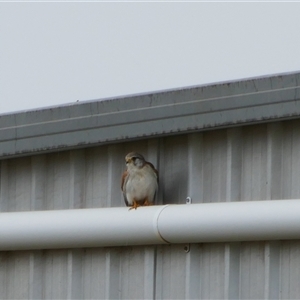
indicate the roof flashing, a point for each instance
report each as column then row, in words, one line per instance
column 148, row 115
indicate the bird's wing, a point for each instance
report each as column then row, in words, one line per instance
column 123, row 186
column 155, row 171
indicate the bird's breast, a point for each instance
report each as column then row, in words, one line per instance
column 141, row 183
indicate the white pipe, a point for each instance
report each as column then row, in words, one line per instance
column 231, row 221
column 195, row 223
column 79, row 228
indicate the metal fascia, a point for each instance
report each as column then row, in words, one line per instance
column 173, row 112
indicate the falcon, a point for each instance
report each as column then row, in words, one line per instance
column 139, row 182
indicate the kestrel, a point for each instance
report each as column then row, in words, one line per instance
column 139, row 182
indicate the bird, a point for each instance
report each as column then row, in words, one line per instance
column 139, row 183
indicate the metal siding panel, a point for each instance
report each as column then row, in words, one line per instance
column 75, row 274
column 233, row 193
column 3, row 274
column 232, row 271
column 214, row 168
column 61, row 180
column 4, row 198
column 238, row 164
column 291, row 159
column 149, row 272
column 113, row 274
column 252, row 270
column 23, row 184
column 77, row 179
column 175, row 171
column 272, row 270
column 195, row 167
column 49, row 181
column 259, row 163
column 55, row 285
column 17, row 284
column 21, row 278
column 295, row 171
column 39, row 181
column 10, row 280
column 173, row 272
column 153, row 155
column 115, row 169
column 274, row 161
column 290, row 270
column 36, row 262
column 159, row 285
column 212, row 271
column 193, row 267
column 287, row 161
column 132, row 269
column 12, row 178
column 94, row 273
column 96, row 177
column 234, row 164
column 254, row 176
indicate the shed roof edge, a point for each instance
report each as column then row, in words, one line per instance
column 175, row 111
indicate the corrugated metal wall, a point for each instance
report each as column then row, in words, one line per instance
column 239, row 164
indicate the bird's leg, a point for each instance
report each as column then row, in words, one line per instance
column 135, row 205
column 147, row 202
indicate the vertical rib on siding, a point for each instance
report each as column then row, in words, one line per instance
column 238, row 164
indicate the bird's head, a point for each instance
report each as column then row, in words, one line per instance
column 134, row 159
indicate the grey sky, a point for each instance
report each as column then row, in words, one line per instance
column 56, row 53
